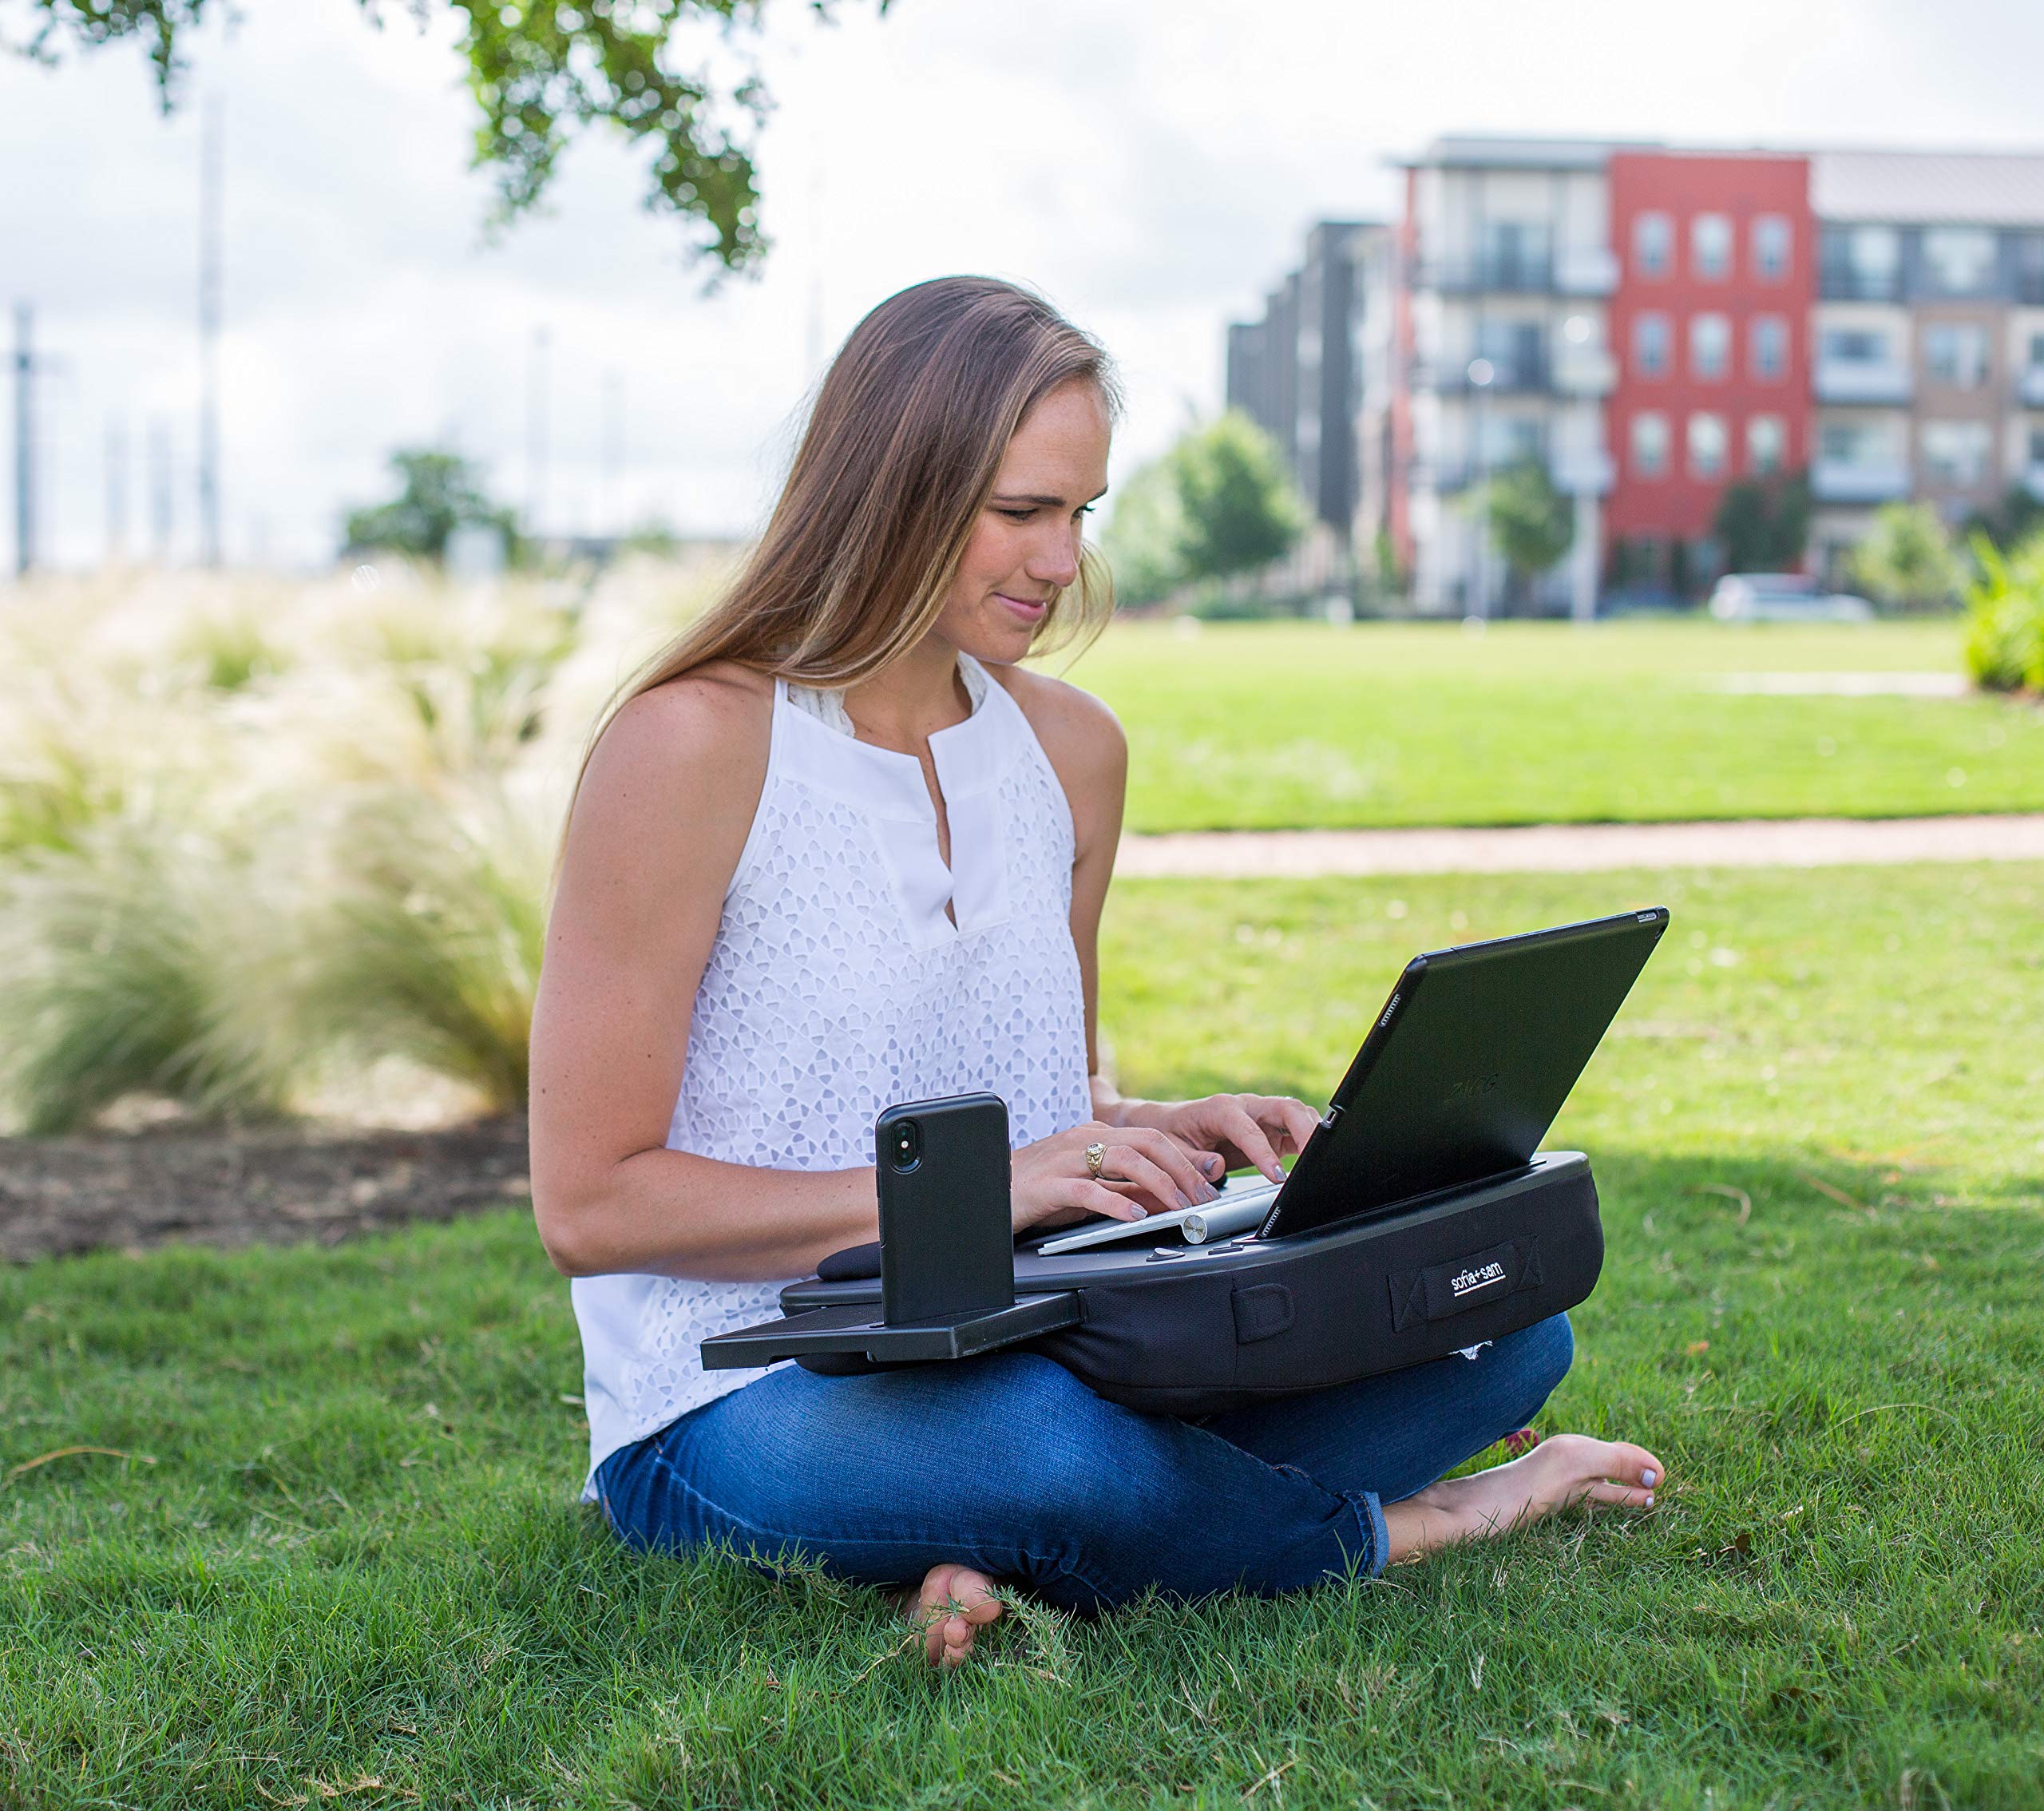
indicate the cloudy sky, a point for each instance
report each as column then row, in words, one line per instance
column 1151, row 164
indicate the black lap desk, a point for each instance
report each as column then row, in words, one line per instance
column 1390, row 1288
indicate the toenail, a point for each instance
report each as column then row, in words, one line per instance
column 1646, row 1478
column 1649, row 1500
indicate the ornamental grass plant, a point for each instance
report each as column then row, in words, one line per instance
column 251, row 833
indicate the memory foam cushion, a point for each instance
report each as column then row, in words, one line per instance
column 1198, row 1329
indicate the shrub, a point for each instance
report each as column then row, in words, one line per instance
column 423, row 935
column 1907, row 560
column 2004, row 647
column 131, row 962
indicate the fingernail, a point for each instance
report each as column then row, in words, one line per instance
column 1648, row 1479
column 1139, row 1212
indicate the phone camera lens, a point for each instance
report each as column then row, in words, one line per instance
column 908, row 1145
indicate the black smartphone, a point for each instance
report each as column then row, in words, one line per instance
column 947, row 1240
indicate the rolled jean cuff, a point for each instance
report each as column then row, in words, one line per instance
column 1369, row 1511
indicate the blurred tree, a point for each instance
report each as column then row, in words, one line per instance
column 1908, row 559
column 2011, row 521
column 1237, row 505
column 651, row 535
column 1532, row 524
column 1763, row 525
column 438, row 492
column 540, row 72
column 1144, row 536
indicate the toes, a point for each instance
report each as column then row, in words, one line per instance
column 1627, row 1497
column 978, row 1603
column 1631, row 1464
column 954, row 1602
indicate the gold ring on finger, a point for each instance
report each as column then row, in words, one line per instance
column 1096, row 1158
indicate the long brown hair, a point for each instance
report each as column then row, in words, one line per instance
column 897, row 460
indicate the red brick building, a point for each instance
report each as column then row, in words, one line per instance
column 1710, row 321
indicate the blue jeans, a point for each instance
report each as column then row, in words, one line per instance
column 1011, row 1465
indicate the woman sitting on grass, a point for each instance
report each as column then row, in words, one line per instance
column 838, row 849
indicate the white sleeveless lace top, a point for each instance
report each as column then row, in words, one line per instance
column 837, row 986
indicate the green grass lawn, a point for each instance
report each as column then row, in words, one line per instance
column 354, row 1574
column 1266, row 726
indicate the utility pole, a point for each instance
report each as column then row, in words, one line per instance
column 609, row 505
column 536, row 433
column 24, row 439
column 162, row 497
column 813, row 326
column 209, row 183
column 117, row 489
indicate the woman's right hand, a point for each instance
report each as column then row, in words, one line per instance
column 1143, row 1172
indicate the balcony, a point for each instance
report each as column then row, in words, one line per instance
column 1862, row 380
column 1508, row 377
column 1589, row 271
column 1585, row 370
column 2030, row 387
column 1529, row 274
column 1858, row 481
column 1841, row 283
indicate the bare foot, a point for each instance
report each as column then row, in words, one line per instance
column 1563, row 1469
column 954, row 1603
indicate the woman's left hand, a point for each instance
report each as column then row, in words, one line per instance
column 1245, row 1129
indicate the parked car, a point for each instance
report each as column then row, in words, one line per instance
column 1784, row 598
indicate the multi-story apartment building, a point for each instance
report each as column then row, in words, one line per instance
column 1929, row 378
column 1711, row 319
column 1295, row 372
column 1498, row 351
column 1653, row 323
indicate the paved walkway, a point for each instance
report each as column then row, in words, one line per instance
column 1792, row 843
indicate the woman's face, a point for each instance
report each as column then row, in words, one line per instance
column 1025, row 548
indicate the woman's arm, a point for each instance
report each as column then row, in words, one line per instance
column 657, row 833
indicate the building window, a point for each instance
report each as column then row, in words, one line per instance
column 1707, row 441
column 1650, row 445
column 1653, row 245
column 1710, row 247
column 1710, row 346
column 1649, row 345
column 1769, row 347
column 1955, row 453
column 1516, row 351
column 1955, row 355
column 2037, row 449
column 1773, row 238
column 1854, row 346
column 1862, row 262
column 1960, row 260
column 1516, row 254
column 1861, row 446
column 2029, row 260
column 1767, row 444
column 2036, row 352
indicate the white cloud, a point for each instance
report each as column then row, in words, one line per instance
column 1151, row 164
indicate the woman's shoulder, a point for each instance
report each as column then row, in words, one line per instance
column 695, row 713
column 700, row 741
column 1077, row 729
